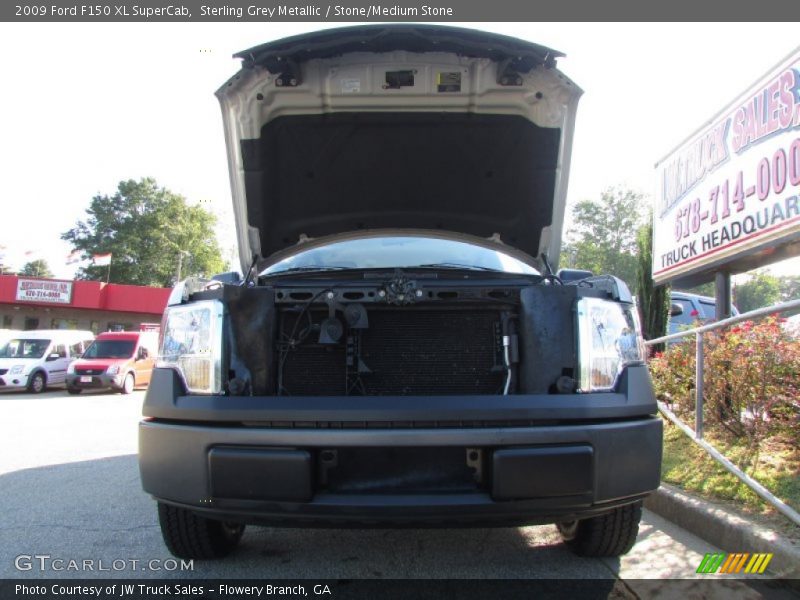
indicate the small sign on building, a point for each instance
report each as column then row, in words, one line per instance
column 46, row 291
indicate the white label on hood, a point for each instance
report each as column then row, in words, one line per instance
column 351, row 86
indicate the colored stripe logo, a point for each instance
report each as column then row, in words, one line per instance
column 740, row 562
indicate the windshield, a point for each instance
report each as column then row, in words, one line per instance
column 22, row 348
column 110, row 349
column 394, row 252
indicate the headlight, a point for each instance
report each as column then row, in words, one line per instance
column 71, row 369
column 608, row 341
column 112, row 370
column 17, row 369
column 191, row 343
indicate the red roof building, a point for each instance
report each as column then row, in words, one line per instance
column 36, row 303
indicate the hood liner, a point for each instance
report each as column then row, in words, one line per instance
column 279, row 55
column 476, row 174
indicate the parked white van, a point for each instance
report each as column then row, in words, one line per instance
column 7, row 334
column 34, row 360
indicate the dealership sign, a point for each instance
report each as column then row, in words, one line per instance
column 38, row 290
column 733, row 188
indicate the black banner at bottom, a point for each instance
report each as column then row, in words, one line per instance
column 390, row 589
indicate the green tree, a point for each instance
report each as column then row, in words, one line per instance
column 704, row 289
column 653, row 301
column 760, row 290
column 603, row 236
column 790, row 287
column 36, row 268
column 151, row 232
column 3, row 266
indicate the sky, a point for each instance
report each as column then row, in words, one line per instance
column 86, row 105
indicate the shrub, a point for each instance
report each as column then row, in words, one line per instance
column 751, row 384
column 673, row 377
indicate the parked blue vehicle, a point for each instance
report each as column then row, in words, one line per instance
column 687, row 309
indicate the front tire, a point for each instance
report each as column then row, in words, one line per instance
column 38, row 383
column 189, row 535
column 127, row 384
column 611, row 534
column 74, row 391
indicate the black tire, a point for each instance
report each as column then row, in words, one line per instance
column 189, row 535
column 128, row 384
column 612, row 534
column 74, row 391
column 38, row 383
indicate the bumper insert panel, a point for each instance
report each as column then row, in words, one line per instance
column 543, row 472
column 260, row 474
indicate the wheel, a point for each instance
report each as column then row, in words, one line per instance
column 74, row 391
column 127, row 385
column 189, row 535
column 612, row 534
column 38, row 383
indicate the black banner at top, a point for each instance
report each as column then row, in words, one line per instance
column 392, row 10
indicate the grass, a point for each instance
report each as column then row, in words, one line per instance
column 776, row 467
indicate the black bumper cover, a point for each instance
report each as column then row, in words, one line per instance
column 556, row 458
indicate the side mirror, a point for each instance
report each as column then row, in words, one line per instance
column 229, row 277
column 143, row 354
column 53, row 356
column 567, row 275
column 675, row 309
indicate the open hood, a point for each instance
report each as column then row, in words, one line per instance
column 398, row 129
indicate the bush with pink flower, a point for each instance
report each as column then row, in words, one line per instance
column 751, row 384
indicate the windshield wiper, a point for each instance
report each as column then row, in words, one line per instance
column 454, row 265
column 308, row 269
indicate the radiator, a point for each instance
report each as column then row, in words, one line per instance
column 407, row 351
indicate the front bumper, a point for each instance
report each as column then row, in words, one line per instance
column 102, row 381
column 258, row 460
column 18, row 381
column 177, row 464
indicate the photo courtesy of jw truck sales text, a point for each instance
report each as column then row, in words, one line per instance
column 729, row 195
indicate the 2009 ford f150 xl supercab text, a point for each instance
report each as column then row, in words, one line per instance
column 399, row 352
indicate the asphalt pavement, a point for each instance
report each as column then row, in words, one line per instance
column 69, row 490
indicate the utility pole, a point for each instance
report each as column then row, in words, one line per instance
column 181, row 254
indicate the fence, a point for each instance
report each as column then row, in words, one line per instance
column 697, row 433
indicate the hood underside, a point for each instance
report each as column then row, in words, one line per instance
column 436, row 130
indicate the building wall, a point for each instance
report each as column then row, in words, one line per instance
column 38, row 303
column 20, row 316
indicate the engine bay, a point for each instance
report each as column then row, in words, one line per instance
column 401, row 334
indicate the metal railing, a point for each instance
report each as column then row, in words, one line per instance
column 697, row 433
